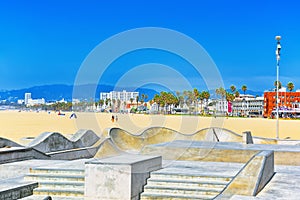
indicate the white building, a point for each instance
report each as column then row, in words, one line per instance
column 21, row 101
column 31, row 102
column 27, row 97
column 244, row 105
column 123, row 96
column 248, row 105
column 221, row 106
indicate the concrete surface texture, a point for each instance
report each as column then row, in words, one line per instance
column 120, row 177
column 253, row 177
column 222, row 151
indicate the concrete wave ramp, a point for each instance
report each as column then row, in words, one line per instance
column 136, row 142
column 53, row 141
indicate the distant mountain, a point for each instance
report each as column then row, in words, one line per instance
column 60, row 91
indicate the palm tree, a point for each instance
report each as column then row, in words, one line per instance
column 157, row 100
column 196, row 97
column 279, row 85
column 185, row 96
column 290, row 86
column 131, row 100
column 101, row 102
column 244, row 88
column 236, row 94
column 137, row 101
column 107, row 102
column 118, row 105
column 232, row 88
column 206, row 96
column 229, row 97
column 113, row 106
column 143, row 98
column 96, row 104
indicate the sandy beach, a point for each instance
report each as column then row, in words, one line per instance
column 18, row 125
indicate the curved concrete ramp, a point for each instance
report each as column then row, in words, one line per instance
column 106, row 149
column 8, row 143
column 135, row 142
column 53, row 141
column 84, row 138
column 216, row 134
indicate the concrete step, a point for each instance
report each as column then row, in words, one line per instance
column 189, row 180
column 56, row 171
column 182, row 191
column 65, row 184
column 58, row 181
column 54, row 177
column 190, row 177
column 166, row 196
column 187, row 184
column 58, row 192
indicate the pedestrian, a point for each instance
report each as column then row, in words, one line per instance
column 112, row 118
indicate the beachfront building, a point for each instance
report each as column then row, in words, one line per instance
column 222, row 106
column 123, row 96
column 244, row 105
column 31, row 102
column 21, row 101
column 289, row 102
column 248, row 105
column 27, row 97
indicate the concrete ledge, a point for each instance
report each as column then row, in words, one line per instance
column 19, row 154
column 121, row 177
column 253, row 176
column 16, row 188
column 72, row 154
column 247, row 137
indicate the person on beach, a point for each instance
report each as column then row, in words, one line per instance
column 73, row 115
column 116, row 118
column 112, row 118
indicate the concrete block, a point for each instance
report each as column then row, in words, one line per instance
column 247, row 137
column 121, row 177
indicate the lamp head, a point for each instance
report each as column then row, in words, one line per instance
column 278, row 38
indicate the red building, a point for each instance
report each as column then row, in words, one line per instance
column 287, row 101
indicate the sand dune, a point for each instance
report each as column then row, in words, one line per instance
column 16, row 125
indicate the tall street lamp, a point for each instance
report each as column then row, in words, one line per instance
column 278, row 48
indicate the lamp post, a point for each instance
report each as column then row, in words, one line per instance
column 278, row 48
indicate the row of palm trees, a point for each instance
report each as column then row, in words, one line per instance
column 290, row 85
column 191, row 99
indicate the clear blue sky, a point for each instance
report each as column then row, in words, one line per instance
column 45, row 42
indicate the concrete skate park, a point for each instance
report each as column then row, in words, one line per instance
column 156, row 163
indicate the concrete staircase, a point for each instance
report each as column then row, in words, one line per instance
column 58, row 181
column 181, row 182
